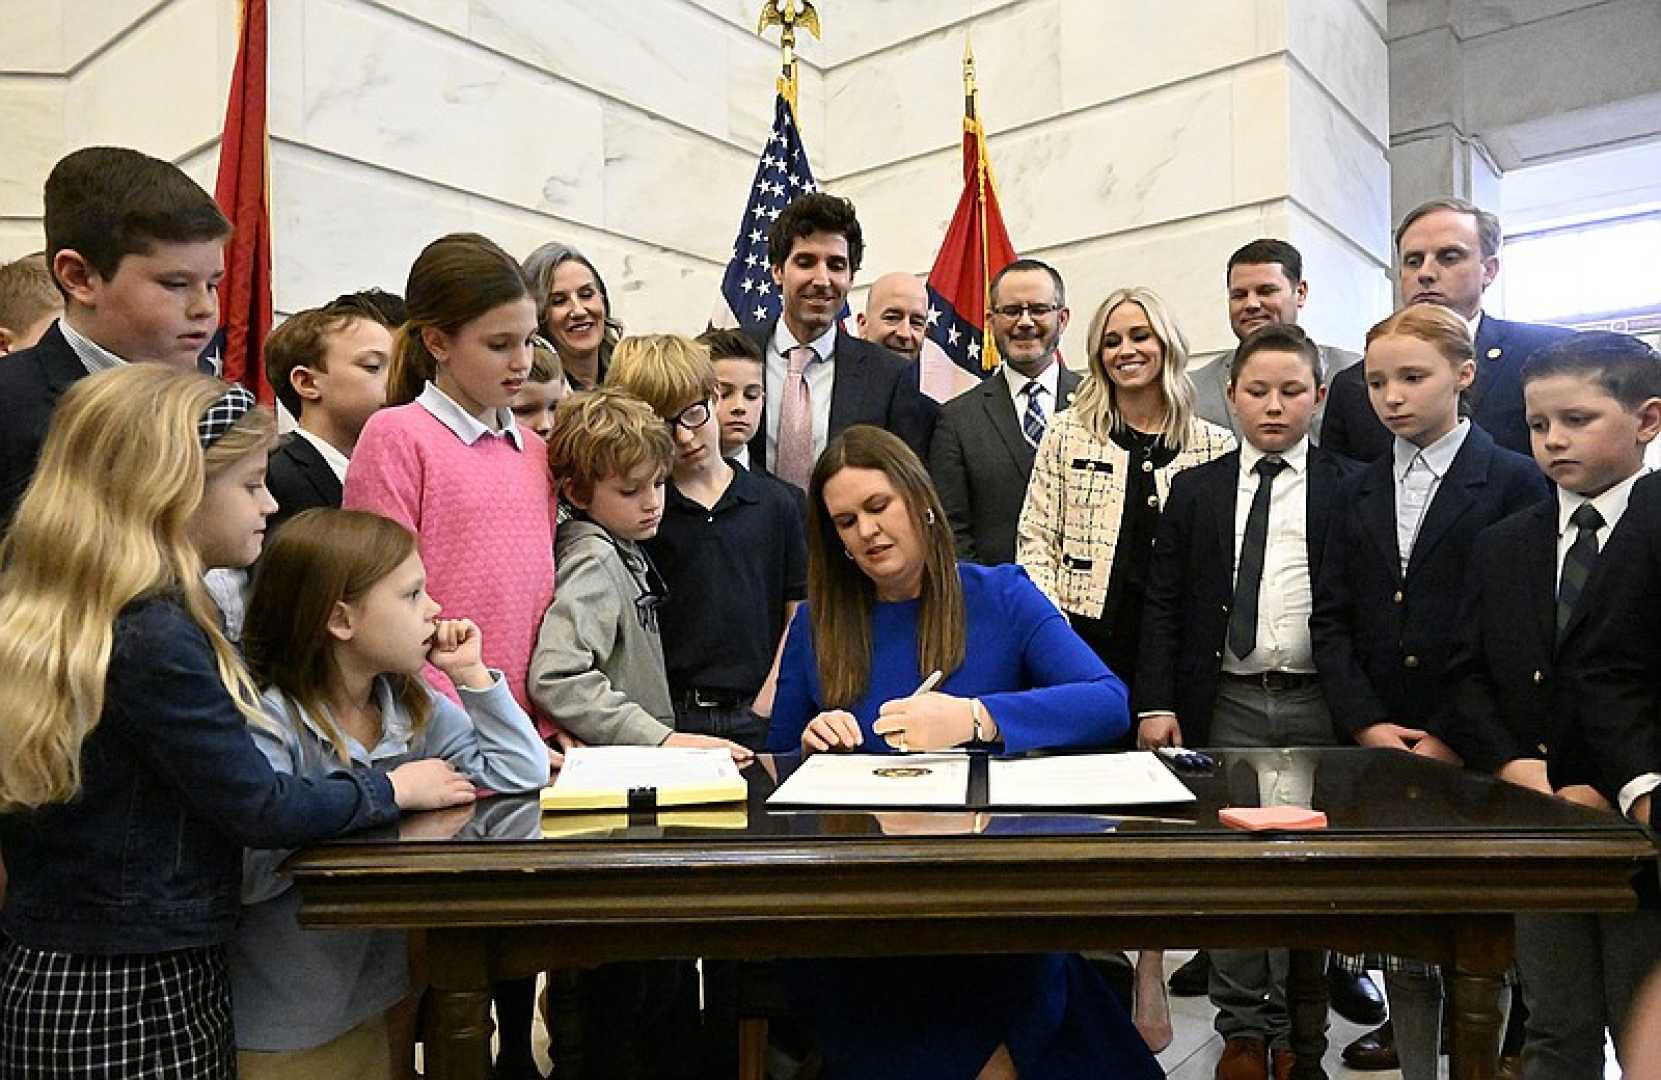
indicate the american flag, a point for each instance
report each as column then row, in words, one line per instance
column 781, row 175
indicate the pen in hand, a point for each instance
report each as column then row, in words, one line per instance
column 892, row 734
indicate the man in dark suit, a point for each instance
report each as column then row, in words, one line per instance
column 981, row 457
column 1448, row 252
column 821, row 379
column 137, row 249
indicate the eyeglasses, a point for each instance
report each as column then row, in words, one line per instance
column 1013, row 312
column 693, row 417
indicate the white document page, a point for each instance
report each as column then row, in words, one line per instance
column 877, row 780
column 596, row 769
column 1130, row 779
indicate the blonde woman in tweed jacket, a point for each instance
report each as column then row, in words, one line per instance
column 1102, row 473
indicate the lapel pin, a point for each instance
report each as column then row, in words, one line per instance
column 1494, row 353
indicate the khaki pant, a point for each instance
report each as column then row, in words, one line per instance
column 360, row 1053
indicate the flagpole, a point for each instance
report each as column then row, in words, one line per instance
column 971, row 125
column 785, row 15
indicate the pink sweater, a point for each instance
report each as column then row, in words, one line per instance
column 485, row 517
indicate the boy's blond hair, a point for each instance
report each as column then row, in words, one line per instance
column 545, row 362
column 27, row 294
column 666, row 371
column 605, row 432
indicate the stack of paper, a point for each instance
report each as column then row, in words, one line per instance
column 601, row 777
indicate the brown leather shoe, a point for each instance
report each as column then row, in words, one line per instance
column 1374, row 1051
column 1282, row 1061
column 1244, row 1058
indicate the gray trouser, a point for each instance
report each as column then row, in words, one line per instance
column 1580, row 973
column 1248, row 986
column 1415, row 992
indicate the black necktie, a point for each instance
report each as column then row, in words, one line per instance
column 1242, row 622
column 1577, row 564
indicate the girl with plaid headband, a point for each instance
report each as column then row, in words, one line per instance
column 130, row 784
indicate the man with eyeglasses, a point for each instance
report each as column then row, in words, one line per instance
column 1265, row 285
column 987, row 437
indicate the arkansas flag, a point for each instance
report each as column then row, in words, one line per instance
column 243, row 193
column 976, row 247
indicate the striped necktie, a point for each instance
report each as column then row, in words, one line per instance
column 1032, row 421
column 1577, row 564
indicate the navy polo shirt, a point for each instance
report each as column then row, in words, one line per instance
column 730, row 569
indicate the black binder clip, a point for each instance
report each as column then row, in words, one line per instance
column 642, row 804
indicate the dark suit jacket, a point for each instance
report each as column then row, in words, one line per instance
column 1382, row 641
column 299, row 479
column 981, row 463
column 1495, row 399
column 1512, row 687
column 31, row 382
column 873, row 386
column 1191, row 584
column 1620, row 676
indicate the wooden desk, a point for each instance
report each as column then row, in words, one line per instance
column 1421, row 860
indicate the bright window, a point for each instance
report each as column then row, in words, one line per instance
column 1586, row 274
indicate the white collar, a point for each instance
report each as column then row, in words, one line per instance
column 1296, row 457
column 823, row 346
column 467, row 427
column 1049, row 379
column 1438, row 455
column 1473, row 323
column 1610, row 505
column 332, row 457
column 92, row 355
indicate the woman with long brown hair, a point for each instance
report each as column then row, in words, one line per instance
column 889, row 607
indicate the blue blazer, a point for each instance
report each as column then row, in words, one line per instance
column 1381, row 638
column 1513, row 689
column 1495, row 399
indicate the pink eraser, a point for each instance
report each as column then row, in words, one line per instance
column 1256, row 818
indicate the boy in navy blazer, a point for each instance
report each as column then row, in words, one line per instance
column 1225, row 657
column 1538, row 578
column 1396, row 571
column 328, row 368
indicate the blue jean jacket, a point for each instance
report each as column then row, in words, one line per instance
column 147, row 857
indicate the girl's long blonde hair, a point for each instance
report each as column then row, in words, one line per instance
column 1097, row 405
column 103, row 523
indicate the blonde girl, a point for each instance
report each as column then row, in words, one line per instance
column 130, row 786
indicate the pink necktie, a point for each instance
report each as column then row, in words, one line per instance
column 794, row 457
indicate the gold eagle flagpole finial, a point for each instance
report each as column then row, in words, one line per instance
column 788, row 15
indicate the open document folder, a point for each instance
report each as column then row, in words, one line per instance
column 943, row 781
column 618, row 777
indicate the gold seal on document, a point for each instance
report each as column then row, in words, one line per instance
column 901, row 772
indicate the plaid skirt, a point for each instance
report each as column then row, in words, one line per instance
column 72, row 1015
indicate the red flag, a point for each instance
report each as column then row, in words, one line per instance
column 976, row 247
column 242, row 191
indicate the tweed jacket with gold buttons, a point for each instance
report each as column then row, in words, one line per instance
column 1069, row 525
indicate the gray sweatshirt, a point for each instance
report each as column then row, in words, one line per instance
column 598, row 664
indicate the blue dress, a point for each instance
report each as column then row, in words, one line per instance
column 942, row 1017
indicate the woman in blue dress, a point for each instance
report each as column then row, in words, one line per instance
column 888, row 604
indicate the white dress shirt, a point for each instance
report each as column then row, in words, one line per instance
column 1050, row 380
column 1417, row 474
column 1611, row 505
column 1284, row 596
column 821, row 381
column 332, row 457
column 93, row 356
column 467, row 427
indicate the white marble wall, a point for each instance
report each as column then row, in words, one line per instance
column 1132, row 141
